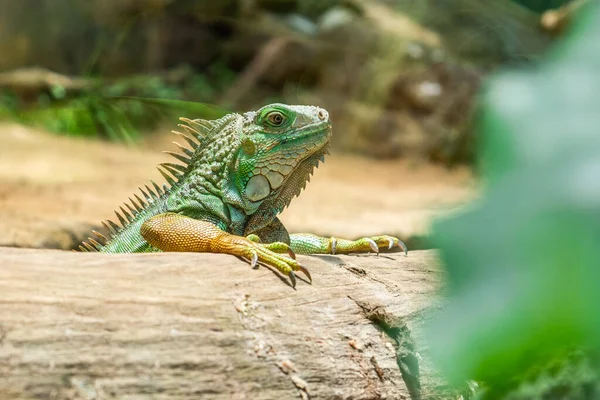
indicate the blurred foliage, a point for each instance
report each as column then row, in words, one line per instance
column 483, row 32
column 397, row 76
column 119, row 109
column 119, row 119
column 522, row 264
column 542, row 5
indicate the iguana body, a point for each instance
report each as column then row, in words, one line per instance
column 242, row 170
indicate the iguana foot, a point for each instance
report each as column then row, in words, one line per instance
column 270, row 254
column 277, row 247
column 176, row 232
column 307, row 243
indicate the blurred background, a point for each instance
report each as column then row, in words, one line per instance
column 399, row 78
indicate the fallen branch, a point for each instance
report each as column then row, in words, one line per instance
column 188, row 326
column 35, row 79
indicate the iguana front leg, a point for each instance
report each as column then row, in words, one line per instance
column 307, row 243
column 176, row 232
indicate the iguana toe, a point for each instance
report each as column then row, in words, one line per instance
column 281, row 248
column 277, row 247
column 271, row 254
column 254, row 238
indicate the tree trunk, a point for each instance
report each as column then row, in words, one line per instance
column 189, row 326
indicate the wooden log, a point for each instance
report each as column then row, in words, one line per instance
column 190, row 326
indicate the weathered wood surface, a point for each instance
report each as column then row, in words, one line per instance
column 206, row 326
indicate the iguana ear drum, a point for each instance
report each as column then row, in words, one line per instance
column 257, row 188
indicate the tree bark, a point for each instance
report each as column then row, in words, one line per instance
column 189, row 326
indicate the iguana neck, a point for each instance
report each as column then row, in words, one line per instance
column 203, row 190
column 213, row 160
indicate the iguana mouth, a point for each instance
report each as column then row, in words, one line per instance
column 310, row 131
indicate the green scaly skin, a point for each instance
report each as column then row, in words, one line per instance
column 242, row 170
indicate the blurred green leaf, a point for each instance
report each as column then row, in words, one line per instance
column 114, row 118
column 523, row 275
column 542, row 5
column 118, row 109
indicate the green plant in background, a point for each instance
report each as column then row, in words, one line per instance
column 115, row 118
column 523, row 263
column 118, row 111
column 541, row 5
column 8, row 103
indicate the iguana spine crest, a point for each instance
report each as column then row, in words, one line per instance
column 198, row 129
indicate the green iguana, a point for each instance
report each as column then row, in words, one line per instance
column 242, row 170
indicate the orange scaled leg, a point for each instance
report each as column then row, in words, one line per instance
column 176, row 232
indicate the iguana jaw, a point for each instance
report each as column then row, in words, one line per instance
column 310, row 137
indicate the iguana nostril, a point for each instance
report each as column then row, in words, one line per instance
column 321, row 115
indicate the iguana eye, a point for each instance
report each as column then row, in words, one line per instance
column 275, row 118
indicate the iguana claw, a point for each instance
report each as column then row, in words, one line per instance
column 403, row 247
column 254, row 260
column 389, row 241
column 305, row 271
column 292, row 276
column 373, row 245
column 291, row 253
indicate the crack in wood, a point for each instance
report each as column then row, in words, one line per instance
column 396, row 329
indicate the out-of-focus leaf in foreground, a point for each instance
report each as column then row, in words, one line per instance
column 524, row 262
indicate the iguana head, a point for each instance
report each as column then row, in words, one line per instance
column 280, row 145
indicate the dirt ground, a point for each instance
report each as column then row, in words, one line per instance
column 53, row 189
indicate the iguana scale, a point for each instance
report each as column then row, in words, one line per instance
column 224, row 196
